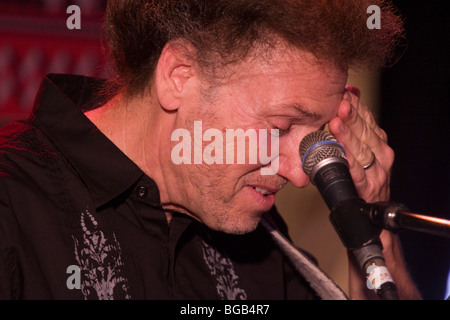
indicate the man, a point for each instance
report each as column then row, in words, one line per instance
column 93, row 203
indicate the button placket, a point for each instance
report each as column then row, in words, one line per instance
column 142, row 192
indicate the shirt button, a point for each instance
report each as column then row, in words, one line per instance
column 142, row 192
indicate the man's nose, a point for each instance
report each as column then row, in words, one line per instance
column 290, row 167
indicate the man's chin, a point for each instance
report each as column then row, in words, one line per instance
column 239, row 226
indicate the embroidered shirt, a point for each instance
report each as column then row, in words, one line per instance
column 79, row 220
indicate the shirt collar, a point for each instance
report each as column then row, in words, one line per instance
column 58, row 112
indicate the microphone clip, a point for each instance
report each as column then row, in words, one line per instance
column 353, row 224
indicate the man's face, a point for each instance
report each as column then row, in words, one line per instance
column 290, row 93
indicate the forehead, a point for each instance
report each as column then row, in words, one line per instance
column 287, row 77
column 284, row 63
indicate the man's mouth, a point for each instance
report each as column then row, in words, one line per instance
column 264, row 191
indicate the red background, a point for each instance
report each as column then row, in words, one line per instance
column 35, row 41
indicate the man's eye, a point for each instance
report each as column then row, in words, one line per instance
column 282, row 131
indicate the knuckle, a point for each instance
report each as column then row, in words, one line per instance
column 383, row 135
column 389, row 155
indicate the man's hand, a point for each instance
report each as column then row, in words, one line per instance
column 366, row 146
column 364, row 141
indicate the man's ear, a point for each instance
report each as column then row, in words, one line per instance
column 175, row 74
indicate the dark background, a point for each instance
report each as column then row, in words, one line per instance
column 414, row 103
column 415, row 114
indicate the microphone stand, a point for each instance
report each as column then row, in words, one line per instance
column 359, row 225
column 361, row 237
column 395, row 216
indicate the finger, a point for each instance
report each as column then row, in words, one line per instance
column 351, row 142
column 361, row 131
column 371, row 183
column 357, row 172
column 353, row 96
column 377, row 142
column 353, row 89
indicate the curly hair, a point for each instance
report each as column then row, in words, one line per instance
column 224, row 32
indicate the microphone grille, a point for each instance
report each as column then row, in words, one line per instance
column 317, row 146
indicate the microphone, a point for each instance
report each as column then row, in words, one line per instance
column 324, row 161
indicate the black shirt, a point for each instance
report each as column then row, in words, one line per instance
column 79, row 220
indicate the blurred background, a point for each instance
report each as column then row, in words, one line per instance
column 410, row 101
column 34, row 41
